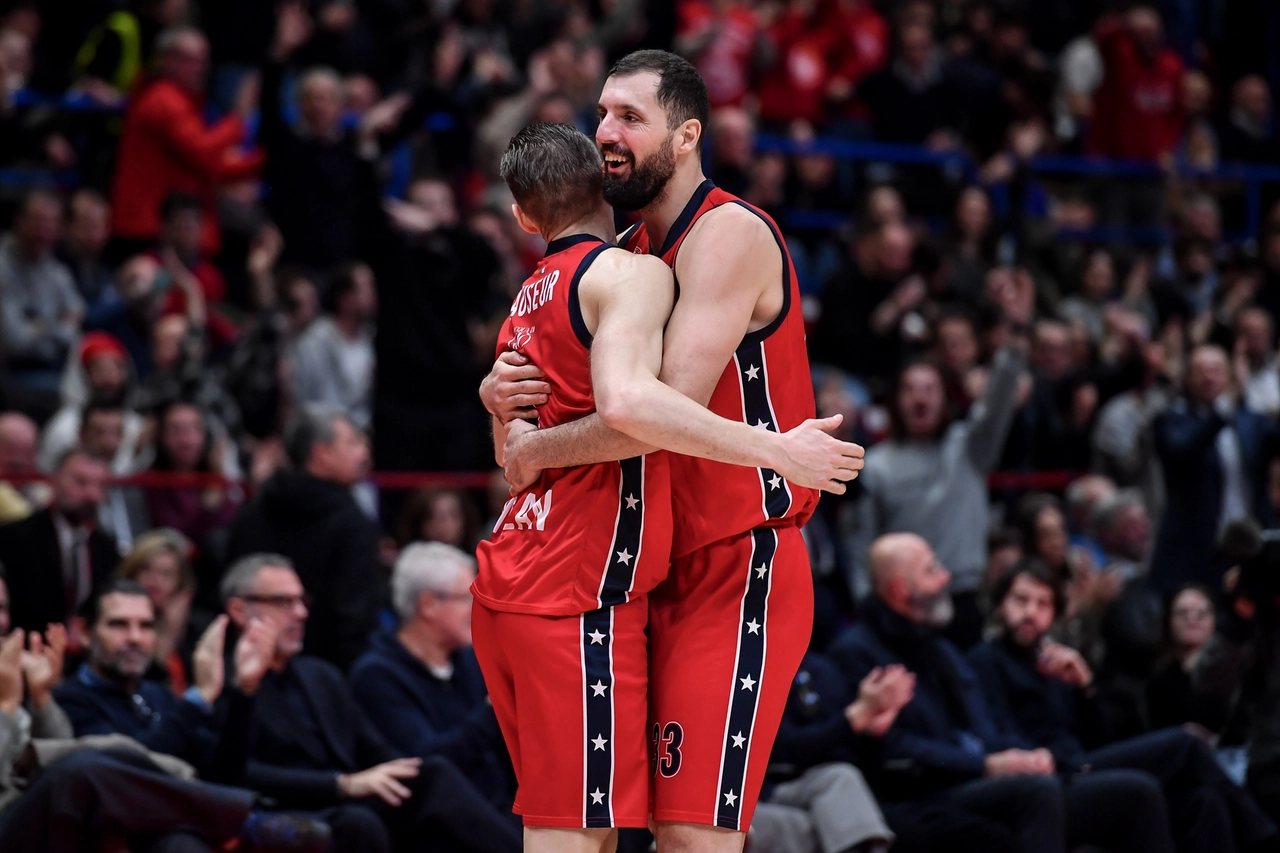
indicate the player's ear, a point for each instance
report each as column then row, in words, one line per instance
column 522, row 219
column 687, row 138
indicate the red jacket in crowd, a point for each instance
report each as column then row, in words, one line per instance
column 166, row 145
column 1138, row 112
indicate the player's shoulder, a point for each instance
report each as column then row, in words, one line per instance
column 616, row 262
column 735, row 219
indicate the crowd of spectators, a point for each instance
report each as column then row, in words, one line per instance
column 252, row 251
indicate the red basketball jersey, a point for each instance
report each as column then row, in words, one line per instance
column 580, row 538
column 766, row 384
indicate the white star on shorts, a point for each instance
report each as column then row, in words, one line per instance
column 731, row 799
column 599, row 687
column 753, row 627
column 597, row 638
column 752, row 372
column 748, row 682
column 597, row 796
column 738, row 740
column 598, row 742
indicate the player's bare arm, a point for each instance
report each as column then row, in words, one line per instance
column 731, row 296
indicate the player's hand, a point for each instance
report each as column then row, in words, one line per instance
column 1065, row 664
column 881, row 695
column 518, row 474
column 514, row 388
column 381, row 781
column 813, row 459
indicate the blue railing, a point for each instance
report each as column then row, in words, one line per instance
column 1253, row 177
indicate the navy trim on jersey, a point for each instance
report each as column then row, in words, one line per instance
column 575, row 309
column 757, row 411
column 597, row 718
column 626, row 234
column 561, row 243
column 685, row 219
column 628, row 533
column 748, row 672
column 765, row 331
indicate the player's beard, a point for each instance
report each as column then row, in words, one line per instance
column 647, row 180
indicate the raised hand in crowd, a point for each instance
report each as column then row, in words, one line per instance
column 882, row 694
column 42, row 663
column 1065, row 664
column 254, row 653
column 207, row 661
column 293, row 30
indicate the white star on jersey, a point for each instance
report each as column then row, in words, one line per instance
column 760, row 570
column 599, row 687
column 761, row 424
column 624, row 557
column 597, row 796
column 731, row 799
column 748, row 682
column 753, row 627
column 597, row 638
column 631, row 500
column 775, row 482
column 752, row 372
column 738, row 740
column 598, row 742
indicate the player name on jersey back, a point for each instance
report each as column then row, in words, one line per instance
column 579, row 538
column 766, row 384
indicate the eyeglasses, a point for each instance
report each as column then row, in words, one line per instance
column 284, row 602
column 1192, row 613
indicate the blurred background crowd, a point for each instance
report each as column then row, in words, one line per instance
column 254, row 260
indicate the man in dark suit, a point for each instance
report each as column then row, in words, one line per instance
column 1212, row 452
column 1045, row 692
column 948, row 743
column 307, row 513
column 314, row 748
column 55, row 558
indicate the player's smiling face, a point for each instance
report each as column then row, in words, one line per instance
column 635, row 141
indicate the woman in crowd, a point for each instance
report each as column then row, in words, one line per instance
column 159, row 563
column 185, row 445
column 1172, row 697
column 440, row 515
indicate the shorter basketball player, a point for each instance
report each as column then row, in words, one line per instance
column 561, row 608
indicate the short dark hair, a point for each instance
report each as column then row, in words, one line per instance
column 311, row 424
column 94, row 406
column 180, row 202
column 72, row 452
column 681, row 90
column 114, row 586
column 342, row 280
column 554, row 173
column 1036, row 569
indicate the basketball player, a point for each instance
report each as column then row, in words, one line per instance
column 561, row 607
column 729, row 626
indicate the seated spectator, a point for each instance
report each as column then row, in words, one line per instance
column 1051, row 430
column 57, row 556
column 333, row 359
column 1080, row 497
column 825, row 732
column 307, row 513
column 96, row 794
column 946, row 740
column 104, row 371
column 1097, row 286
column 930, row 478
column 186, row 445
column 1171, row 695
column 42, row 309
column 421, row 686
column 973, row 245
column 108, row 694
column 84, row 243
column 439, row 515
column 313, row 746
column 159, row 562
column 1044, row 530
column 1211, row 450
column 1255, row 362
column 1123, row 442
column 167, row 145
column 123, row 512
column 18, row 437
column 1041, row 690
column 1247, row 136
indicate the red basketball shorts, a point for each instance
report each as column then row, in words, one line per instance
column 570, row 696
column 727, row 631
